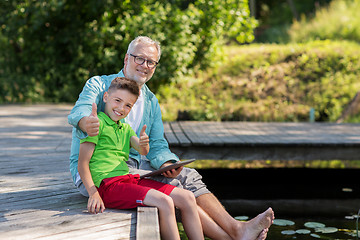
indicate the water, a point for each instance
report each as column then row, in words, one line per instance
column 345, row 229
column 327, row 196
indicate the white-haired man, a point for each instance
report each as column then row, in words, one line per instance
column 140, row 62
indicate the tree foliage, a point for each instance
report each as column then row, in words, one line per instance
column 339, row 21
column 269, row 83
column 49, row 48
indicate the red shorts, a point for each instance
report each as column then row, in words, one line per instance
column 129, row 191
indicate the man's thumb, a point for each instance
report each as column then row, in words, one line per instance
column 143, row 130
column 94, row 110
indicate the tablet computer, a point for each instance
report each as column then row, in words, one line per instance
column 167, row 168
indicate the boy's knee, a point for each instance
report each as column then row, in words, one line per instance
column 167, row 202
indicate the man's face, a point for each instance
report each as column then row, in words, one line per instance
column 140, row 73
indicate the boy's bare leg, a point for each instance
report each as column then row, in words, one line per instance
column 250, row 230
column 185, row 201
column 167, row 219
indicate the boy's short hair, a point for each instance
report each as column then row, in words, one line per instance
column 126, row 84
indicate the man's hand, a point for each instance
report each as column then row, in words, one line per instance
column 90, row 124
column 173, row 173
column 95, row 203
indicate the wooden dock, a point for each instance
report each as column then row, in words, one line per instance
column 264, row 141
column 38, row 199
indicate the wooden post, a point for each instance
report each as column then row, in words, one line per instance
column 252, row 5
column 351, row 109
column 147, row 227
column 293, row 9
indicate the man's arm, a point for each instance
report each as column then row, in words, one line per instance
column 95, row 203
column 159, row 148
column 90, row 94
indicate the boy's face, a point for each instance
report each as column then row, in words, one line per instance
column 118, row 103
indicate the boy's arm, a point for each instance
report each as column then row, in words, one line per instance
column 95, row 203
column 141, row 144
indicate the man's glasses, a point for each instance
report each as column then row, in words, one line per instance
column 149, row 63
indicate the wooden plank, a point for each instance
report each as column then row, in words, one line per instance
column 183, row 139
column 37, row 195
column 64, row 215
column 147, row 224
column 190, row 131
column 215, row 133
column 245, row 132
column 270, row 141
column 71, row 226
column 225, row 135
column 19, row 183
column 24, row 190
column 169, row 135
column 30, row 166
column 50, row 202
column 202, row 133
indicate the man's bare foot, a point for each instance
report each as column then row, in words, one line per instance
column 263, row 234
column 255, row 228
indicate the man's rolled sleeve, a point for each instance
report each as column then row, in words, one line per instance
column 83, row 106
column 158, row 161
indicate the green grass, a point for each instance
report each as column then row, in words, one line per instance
column 269, row 82
column 339, row 21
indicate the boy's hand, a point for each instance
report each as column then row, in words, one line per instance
column 92, row 122
column 95, row 203
column 144, row 141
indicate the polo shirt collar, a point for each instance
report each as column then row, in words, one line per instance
column 108, row 120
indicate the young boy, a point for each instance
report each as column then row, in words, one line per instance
column 105, row 174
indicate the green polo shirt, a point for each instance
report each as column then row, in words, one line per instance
column 111, row 150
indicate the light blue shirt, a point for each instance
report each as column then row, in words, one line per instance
column 93, row 91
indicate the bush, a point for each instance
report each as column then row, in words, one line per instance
column 270, row 83
column 339, row 21
column 354, row 119
column 276, row 17
column 51, row 48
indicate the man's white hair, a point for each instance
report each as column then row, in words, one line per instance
column 144, row 39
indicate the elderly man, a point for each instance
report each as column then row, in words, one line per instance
column 140, row 62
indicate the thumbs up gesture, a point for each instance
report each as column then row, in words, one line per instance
column 144, row 141
column 92, row 122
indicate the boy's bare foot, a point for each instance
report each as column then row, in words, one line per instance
column 256, row 228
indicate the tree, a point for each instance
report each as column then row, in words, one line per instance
column 49, row 48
